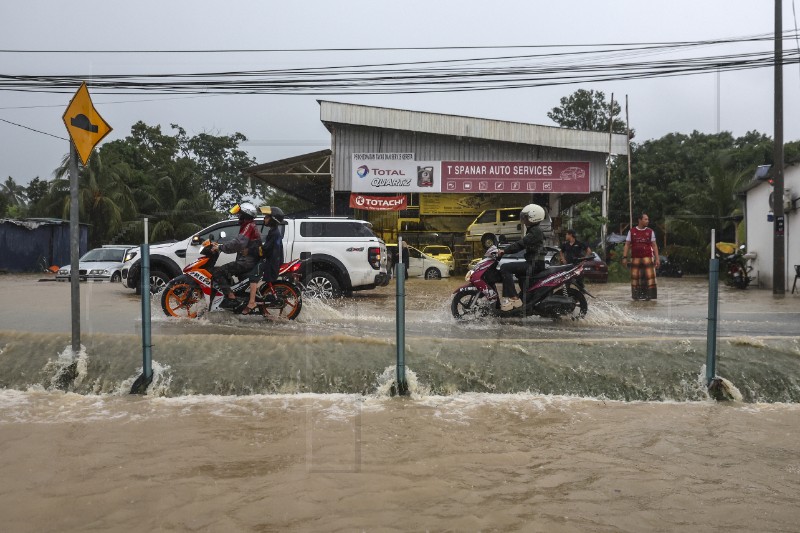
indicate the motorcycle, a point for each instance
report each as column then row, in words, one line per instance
column 549, row 294
column 737, row 264
column 669, row 268
column 184, row 295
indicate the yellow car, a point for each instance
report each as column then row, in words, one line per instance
column 441, row 253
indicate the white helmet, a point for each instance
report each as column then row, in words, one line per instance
column 245, row 208
column 533, row 212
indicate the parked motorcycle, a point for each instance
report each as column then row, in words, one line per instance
column 184, row 295
column 669, row 268
column 549, row 294
column 737, row 264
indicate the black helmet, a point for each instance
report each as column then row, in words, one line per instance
column 276, row 213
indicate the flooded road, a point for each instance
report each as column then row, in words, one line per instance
column 511, row 425
column 681, row 311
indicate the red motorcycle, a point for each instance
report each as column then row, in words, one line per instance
column 184, row 296
column 549, row 293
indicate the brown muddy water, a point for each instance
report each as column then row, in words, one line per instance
column 511, row 425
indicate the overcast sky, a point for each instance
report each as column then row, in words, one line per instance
column 279, row 126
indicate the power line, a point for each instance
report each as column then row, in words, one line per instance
column 32, row 129
column 727, row 40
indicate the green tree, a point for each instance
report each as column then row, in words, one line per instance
column 104, row 199
column 587, row 110
column 13, row 193
column 219, row 163
column 588, row 221
column 36, row 190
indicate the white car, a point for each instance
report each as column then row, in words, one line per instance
column 422, row 265
column 498, row 226
column 99, row 264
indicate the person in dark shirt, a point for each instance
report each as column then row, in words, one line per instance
column 573, row 249
column 245, row 246
column 271, row 256
column 531, row 215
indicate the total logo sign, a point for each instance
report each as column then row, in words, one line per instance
column 363, row 171
column 393, row 173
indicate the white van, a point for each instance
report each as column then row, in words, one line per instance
column 496, row 226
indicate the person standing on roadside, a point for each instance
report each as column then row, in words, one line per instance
column 641, row 241
column 573, row 249
column 405, row 258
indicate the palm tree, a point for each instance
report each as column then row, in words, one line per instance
column 14, row 194
column 186, row 206
column 104, row 200
column 713, row 207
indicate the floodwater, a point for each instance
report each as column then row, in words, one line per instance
column 511, row 424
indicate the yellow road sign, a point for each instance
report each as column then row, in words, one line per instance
column 85, row 125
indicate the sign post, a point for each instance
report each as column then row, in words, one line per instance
column 86, row 128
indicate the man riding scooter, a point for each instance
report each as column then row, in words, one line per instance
column 245, row 245
column 531, row 215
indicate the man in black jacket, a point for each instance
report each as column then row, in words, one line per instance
column 531, row 215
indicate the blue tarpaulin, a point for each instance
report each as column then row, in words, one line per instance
column 30, row 245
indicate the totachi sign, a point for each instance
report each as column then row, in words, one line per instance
column 377, row 203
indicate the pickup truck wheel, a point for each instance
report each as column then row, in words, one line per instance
column 157, row 282
column 433, row 273
column 322, row 284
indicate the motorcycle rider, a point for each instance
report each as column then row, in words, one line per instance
column 271, row 255
column 531, row 215
column 245, row 245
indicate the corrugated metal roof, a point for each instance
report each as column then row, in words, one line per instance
column 476, row 128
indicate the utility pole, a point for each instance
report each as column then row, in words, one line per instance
column 778, row 247
column 604, row 197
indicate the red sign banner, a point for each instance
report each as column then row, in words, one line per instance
column 515, row 177
column 377, row 203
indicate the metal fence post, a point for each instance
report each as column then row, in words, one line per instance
column 401, row 386
column 143, row 381
column 713, row 309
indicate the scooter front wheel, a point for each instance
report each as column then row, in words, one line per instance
column 469, row 303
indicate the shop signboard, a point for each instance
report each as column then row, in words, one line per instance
column 379, row 173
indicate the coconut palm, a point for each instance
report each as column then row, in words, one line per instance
column 104, row 200
column 14, row 194
column 185, row 205
column 715, row 206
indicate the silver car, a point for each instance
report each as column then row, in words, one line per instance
column 99, row 264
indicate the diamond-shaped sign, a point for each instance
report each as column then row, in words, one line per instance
column 85, row 125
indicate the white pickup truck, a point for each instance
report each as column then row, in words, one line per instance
column 345, row 255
